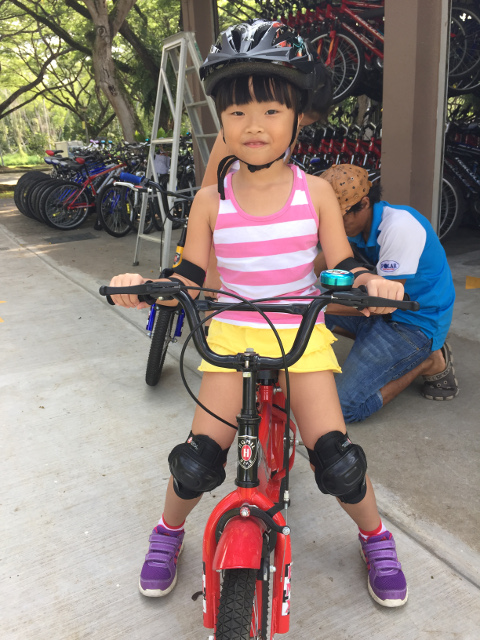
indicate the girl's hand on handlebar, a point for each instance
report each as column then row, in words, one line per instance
column 378, row 286
column 125, row 300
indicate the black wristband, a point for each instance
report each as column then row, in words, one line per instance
column 188, row 270
column 359, row 273
column 350, row 263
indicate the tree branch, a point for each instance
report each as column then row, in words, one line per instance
column 55, row 28
column 31, row 85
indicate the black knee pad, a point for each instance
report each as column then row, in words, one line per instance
column 197, row 466
column 340, row 467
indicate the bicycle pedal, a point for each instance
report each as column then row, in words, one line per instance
column 299, row 443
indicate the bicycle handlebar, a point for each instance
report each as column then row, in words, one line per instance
column 139, row 183
column 151, row 291
column 131, row 180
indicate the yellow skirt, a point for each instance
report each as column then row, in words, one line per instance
column 229, row 339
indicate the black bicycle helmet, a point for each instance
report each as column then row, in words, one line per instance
column 262, row 48
column 259, row 48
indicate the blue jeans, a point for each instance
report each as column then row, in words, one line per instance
column 383, row 350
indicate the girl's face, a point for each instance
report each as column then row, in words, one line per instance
column 258, row 132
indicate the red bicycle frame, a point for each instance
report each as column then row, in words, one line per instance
column 240, row 543
column 335, row 14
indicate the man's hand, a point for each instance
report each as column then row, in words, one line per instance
column 378, row 286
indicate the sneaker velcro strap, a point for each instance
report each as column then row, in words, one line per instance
column 382, row 554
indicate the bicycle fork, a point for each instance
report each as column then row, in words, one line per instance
column 153, row 309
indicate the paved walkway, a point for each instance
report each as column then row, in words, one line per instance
column 85, row 442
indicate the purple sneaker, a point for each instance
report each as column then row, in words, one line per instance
column 386, row 582
column 159, row 571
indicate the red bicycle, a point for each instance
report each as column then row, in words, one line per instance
column 246, row 546
column 67, row 205
column 352, row 40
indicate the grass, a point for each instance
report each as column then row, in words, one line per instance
column 22, row 160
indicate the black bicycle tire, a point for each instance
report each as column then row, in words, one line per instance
column 24, row 197
column 23, row 194
column 149, row 224
column 454, row 60
column 106, row 220
column 465, row 85
column 21, row 182
column 450, row 220
column 470, row 69
column 236, row 602
column 339, row 93
column 157, row 215
column 48, row 188
column 34, row 194
column 53, row 204
column 159, row 344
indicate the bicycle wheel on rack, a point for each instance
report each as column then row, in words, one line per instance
column 452, row 207
column 243, row 605
column 24, row 185
column 161, row 337
column 67, row 206
column 149, row 224
column 33, row 195
column 464, row 56
column 114, row 207
column 346, row 64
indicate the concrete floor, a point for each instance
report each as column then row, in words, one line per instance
column 85, row 442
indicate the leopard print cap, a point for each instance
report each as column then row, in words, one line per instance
column 349, row 182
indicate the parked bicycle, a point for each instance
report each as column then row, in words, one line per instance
column 246, row 545
column 66, row 197
column 462, row 173
column 349, row 35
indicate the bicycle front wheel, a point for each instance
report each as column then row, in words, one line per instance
column 114, row 206
column 240, row 610
column 346, row 64
column 161, row 337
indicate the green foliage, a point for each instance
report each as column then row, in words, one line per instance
column 232, row 12
column 23, row 159
column 38, row 142
column 62, row 32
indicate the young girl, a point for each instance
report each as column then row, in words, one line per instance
column 265, row 229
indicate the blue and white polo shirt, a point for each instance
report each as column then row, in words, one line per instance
column 403, row 246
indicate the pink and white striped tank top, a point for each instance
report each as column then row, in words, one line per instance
column 260, row 257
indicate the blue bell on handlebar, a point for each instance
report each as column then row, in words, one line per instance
column 337, row 279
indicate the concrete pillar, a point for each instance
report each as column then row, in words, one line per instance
column 414, row 101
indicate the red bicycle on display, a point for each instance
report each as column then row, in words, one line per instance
column 247, row 556
column 349, row 35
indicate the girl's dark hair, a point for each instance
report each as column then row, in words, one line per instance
column 246, row 89
column 374, row 196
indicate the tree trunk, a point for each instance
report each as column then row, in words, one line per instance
column 106, row 27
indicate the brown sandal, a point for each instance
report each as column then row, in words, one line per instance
column 443, row 385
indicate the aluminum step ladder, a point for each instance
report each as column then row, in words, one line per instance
column 180, row 55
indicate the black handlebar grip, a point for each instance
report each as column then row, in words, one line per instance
column 405, row 304
column 143, row 298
